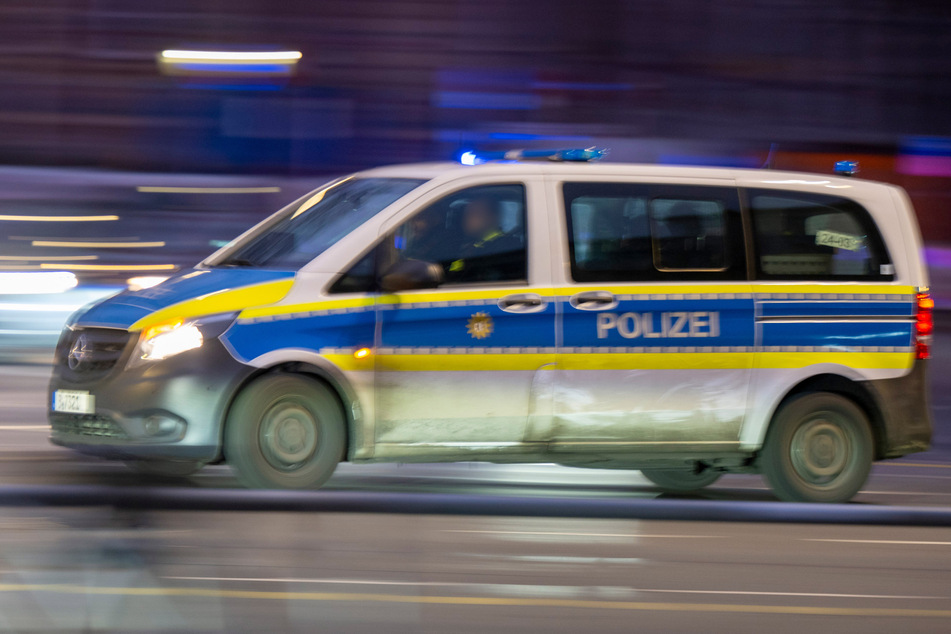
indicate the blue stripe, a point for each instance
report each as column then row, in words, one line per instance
column 351, row 330
column 838, row 334
column 644, row 322
column 211, row 67
column 837, row 309
column 447, row 327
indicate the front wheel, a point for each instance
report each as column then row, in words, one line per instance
column 285, row 431
column 819, row 448
column 681, row 480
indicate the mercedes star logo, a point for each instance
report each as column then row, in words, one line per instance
column 79, row 352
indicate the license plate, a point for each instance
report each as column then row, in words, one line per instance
column 74, row 402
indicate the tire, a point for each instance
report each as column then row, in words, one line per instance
column 819, row 448
column 285, row 431
column 165, row 468
column 681, row 480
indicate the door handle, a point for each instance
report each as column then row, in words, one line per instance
column 522, row 303
column 593, row 300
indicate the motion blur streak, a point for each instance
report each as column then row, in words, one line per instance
column 233, row 56
column 36, row 283
column 58, row 218
column 97, row 245
column 475, row 601
column 111, row 267
column 208, row 190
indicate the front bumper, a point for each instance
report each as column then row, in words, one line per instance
column 164, row 410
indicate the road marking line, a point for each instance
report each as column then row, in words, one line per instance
column 903, row 493
column 791, row 594
column 16, row 427
column 556, row 534
column 476, row 601
column 879, row 541
column 911, row 475
column 863, row 491
column 327, row 581
column 928, row 465
column 534, row 586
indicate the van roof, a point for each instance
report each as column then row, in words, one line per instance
column 827, row 183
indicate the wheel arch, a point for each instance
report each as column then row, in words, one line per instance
column 848, row 388
column 317, row 368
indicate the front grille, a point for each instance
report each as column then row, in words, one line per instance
column 85, row 354
column 89, row 425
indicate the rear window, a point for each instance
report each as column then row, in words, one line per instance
column 802, row 236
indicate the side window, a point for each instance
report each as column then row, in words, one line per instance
column 642, row 232
column 360, row 278
column 475, row 235
column 811, row 236
column 688, row 235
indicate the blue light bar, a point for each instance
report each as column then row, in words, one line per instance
column 574, row 155
column 847, row 168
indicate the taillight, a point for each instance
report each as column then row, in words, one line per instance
column 924, row 324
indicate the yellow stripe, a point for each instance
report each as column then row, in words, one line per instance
column 658, row 289
column 349, row 363
column 457, row 296
column 288, row 309
column 402, row 298
column 513, row 361
column 628, row 289
column 524, row 602
column 227, row 300
column 833, row 288
column 737, row 288
column 857, row 360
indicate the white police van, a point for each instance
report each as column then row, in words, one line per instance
column 687, row 322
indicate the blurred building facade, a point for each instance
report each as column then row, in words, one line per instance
column 384, row 81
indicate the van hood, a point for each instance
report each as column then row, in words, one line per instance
column 193, row 293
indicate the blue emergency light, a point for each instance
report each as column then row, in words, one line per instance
column 575, row 155
column 847, row 168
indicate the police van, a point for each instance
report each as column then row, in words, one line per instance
column 685, row 322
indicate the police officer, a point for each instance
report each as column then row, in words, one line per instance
column 487, row 252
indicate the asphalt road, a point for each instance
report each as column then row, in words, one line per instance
column 98, row 570
column 68, row 568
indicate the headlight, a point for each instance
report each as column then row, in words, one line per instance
column 166, row 340
column 169, row 338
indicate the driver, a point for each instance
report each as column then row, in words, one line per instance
column 484, row 239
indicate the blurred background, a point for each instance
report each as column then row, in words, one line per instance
column 136, row 137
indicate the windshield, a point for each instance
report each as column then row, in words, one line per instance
column 316, row 222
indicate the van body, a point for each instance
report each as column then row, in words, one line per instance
column 687, row 322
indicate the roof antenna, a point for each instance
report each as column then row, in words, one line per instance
column 768, row 165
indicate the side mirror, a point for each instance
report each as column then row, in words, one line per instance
column 410, row 275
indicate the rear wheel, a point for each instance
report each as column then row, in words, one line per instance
column 681, row 480
column 285, row 431
column 819, row 448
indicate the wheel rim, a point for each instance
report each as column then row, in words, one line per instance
column 821, row 450
column 288, row 435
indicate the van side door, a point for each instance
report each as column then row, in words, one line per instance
column 458, row 365
column 656, row 318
